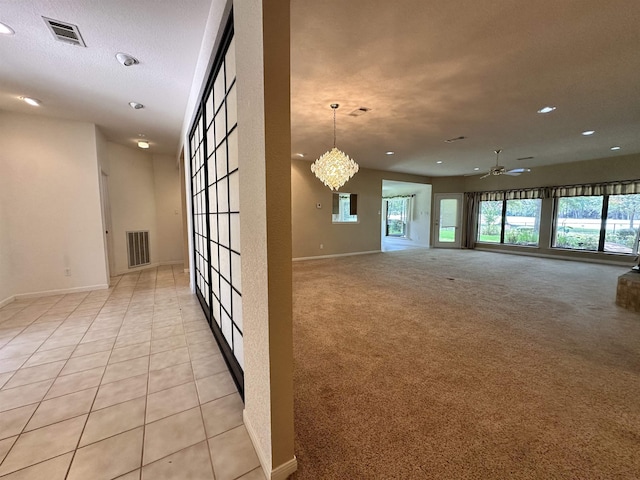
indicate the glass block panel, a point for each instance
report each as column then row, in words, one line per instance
column 213, row 227
column 232, row 141
column 218, row 89
column 211, row 170
column 209, row 108
column 212, row 198
column 238, row 347
column 226, row 327
column 230, row 63
column 225, row 295
column 235, row 231
column 221, row 125
column 232, row 109
column 223, row 229
column 225, row 264
column 223, row 196
column 215, row 310
column 236, row 271
column 234, row 192
column 237, row 309
column 211, row 141
column 221, row 161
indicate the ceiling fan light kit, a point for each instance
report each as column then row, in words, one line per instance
column 501, row 170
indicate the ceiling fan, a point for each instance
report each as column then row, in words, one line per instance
column 500, row 170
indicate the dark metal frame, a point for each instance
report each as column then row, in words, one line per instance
column 202, row 118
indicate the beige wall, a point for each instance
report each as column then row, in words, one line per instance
column 620, row 167
column 166, row 182
column 312, row 226
column 623, row 167
column 50, row 216
column 264, row 146
column 144, row 193
column 262, row 65
column 132, row 195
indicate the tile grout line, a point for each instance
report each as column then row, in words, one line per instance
column 146, row 399
column 73, row 456
column 45, row 394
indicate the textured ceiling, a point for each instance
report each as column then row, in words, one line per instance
column 433, row 70
column 88, row 84
column 428, row 70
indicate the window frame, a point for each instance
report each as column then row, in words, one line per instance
column 353, row 207
column 503, row 222
column 604, row 216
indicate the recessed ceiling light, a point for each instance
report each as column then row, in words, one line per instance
column 126, row 59
column 143, row 144
column 476, row 169
column 547, row 109
column 34, row 102
column 439, row 161
column 390, row 153
column 616, row 148
column 301, row 155
column 586, row 133
column 6, row 29
column 136, row 105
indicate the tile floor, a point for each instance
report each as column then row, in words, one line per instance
column 123, row 383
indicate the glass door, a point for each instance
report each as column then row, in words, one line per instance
column 447, row 220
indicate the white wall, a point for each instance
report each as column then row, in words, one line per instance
column 6, row 290
column 50, row 216
column 144, row 192
column 132, row 195
column 166, row 180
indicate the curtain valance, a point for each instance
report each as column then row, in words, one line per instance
column 609, row 188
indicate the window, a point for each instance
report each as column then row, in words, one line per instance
column 578, row 222
column 397, row 215
column 522, row 225
column 604, row 223
column 623, row 220
column 510, row 222
column 490, row 221
column 345, row 208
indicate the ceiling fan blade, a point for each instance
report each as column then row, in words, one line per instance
column 485, row 175
column 512, row 174
column 519, row 170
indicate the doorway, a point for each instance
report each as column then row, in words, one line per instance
column 448, row 219
column 106, row 221
column 404, row 215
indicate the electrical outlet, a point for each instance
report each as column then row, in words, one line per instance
column 67, row 272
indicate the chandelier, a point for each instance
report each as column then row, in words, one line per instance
column 334, row 167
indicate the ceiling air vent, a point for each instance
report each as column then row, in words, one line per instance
column 359, row 111
column 65, row 32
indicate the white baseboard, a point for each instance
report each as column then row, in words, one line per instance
column 285, row 470
column 7, row 301
column 147, row 267
column 318, row 257
column 281, row 472
column 62, row 291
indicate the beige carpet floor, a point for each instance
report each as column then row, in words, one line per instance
column 436, row 364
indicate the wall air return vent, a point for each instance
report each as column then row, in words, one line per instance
column 65, row 32
column 138, row 248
